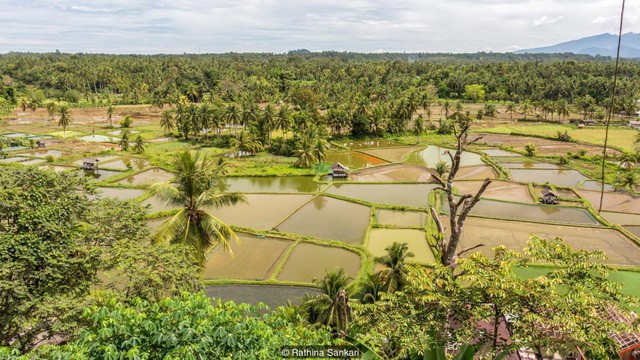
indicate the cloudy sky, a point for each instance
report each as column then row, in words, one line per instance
column 177, row 26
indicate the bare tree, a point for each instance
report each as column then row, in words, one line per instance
column 459, row 208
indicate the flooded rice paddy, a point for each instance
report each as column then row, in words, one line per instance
column 56, row 168
column 251, row 259
column 500, row 153
column 501, row 190
column 535, row 213
column 514, row 235
column 367, row 144
column 147, row 177
column 393, row 173
column 98, row 138
column 431, row 155
column 401, row 218
column 619, row 202
column 119, row 193
column 353, row 159
column 380, row 239
column 126, row 163
column 262, row 211
column 271, row 295
column 284, row 184
column 96, row 175
column 308, row 262
column 565, row 178
column 414, row 195
column 621, row 218
column 330, row 219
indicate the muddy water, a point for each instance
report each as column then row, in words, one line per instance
column 353, row 159
column 393, row 173
column 98, row 138
column 329, row 218
column 635, row 230
column 308, row 262
column 97, row 174
column 479, row 172
column 367, row 144
column 261, row 211
column 401, row 218
column 118, row 193
column 500, row 153
column 283, row 184
column 430, row 156
column 13, row 159
column 613, row 201
column 525, row 212
column 596, row 185
column 32, row 162
column 514, row 235
column 501, row 190
column 101, row 159
column 621, row 218
column 380, row 239
column 566, row 178
column 252, row 259
column 414, row 195
column 56, row 168
column 44, row 153
column 147, row 177
column 271, row 295
column 126, row 163
column 531, row 165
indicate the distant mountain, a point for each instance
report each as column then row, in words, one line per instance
column 603, row 45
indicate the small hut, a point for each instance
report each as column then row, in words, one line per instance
column 41, row 144
column 339, row 171
column 90, row 164
column 549, row 197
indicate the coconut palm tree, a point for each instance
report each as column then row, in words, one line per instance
column 65, row 118
column 166, row 121
column 110, row 111
column 628, row 160
column 195, row 191
column 442, row 167
column 283, row 120
column 305, row 151
column 511, row 108
column 331, row 308
column 51, row 109
column 124, row 141
column 139, row 144
column 395, row 275
column 370, row 289
column 245, row 142
column 626, row 180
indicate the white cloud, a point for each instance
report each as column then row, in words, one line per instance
column 546, row 20
column 155, row 26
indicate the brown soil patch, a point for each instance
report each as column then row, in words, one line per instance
column 480, row 172
column 393, row 172
column 618, row 202
column 396, row 154
column 501, row 190
column 545, row 146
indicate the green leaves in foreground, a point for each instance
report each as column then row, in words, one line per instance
column 188, row 326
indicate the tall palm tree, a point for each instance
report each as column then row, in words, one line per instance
column 283, row 120
column 305, row 151
column 331, row 308
column 232, row 114
column 511, row 108
column 627, row 180
column 628, row 160
column 395, row 274
column 269, row 119
column 51, row 109
column 124, row 141
column 166, row 121
column 245, row 142
column 370, row 289
column 194, row 190
column 110, row 111
column 65, row 118
column 139, row 144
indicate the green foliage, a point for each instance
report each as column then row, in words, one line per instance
column 442, row 167
column 188, row 326
column 530, row 150
column 126, row 122
column 474, row 92
column 556, row 311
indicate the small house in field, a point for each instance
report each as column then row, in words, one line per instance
column 90, row 164
column 339, row 171
column 549, row 197
column 628, row 344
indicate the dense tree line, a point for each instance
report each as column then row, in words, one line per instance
column 323, row 80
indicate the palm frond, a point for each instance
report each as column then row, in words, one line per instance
column 217, row 200
column 167, row 192
column 171, row 228
column 216, row 231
